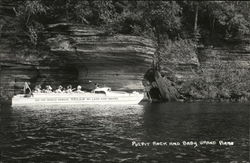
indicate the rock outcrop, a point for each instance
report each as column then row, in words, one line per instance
column 20, row 65
column 214, row 59
column 214, row 73
column 118, row 61
column 223, row 73
column 76, row 55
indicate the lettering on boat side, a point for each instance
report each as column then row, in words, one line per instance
column 182, row 143
column 76, row 99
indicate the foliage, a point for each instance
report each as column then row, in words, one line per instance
column 227, row 81
column 163, row 17
column 178, row 51
column 170, row 23
column 229, row 75
column 94, row 12
column 27, row 13
column 230, row 16
column 159, row 19
column 221, row 17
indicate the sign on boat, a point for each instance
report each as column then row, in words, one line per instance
column 99, row 96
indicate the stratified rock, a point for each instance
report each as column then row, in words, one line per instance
column 181, row 64
column 117, row 61
column 77, row 55
column 214, row 59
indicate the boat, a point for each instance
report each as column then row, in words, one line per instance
column 99, row 96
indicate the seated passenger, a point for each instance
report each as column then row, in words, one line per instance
column 97, row 85
column 69, row 89
column 59, row 89
column 79, row 89
column 27, row 90
column 37, row 89
column 48, row 89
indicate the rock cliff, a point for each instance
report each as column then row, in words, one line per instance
column 20, row 65
column 223, row 73
column 235, row 56
column 118, row 61
column 76, row 55
column 219, row 72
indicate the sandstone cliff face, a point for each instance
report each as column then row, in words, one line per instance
column 214, row 59
column 76, row 55
column 117, row 61
column 220, row 72
column 181, row 68
column 19, row 66
column 228, row 65
column 209, row 60
column 223, row 73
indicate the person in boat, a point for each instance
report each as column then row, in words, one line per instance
column 26, row 90
column 69, row 89
column 59, row 89
column 79, row 89
column 37, row 89
column 97, row 85
column 48, row 89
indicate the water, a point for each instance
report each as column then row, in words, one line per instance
column 106, row 134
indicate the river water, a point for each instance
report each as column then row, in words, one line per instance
column 170, row 132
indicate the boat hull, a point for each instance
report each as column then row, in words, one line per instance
column 77, row 99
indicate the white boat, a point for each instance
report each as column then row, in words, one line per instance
column 99, row 96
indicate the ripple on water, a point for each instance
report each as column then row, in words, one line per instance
column 105, row 133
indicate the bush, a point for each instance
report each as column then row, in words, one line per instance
column 174, row 53
column 227, row 80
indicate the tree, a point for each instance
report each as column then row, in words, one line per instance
column 27, row 16
column 230, row 18
column 159, row 19
column 163, row 17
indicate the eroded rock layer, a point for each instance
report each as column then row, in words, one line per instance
column 117, row 61
column 76, row 55
column 220, row 58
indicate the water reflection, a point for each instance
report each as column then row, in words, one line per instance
column 105, row 133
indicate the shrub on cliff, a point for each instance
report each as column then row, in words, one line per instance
column 173, row 53
column 27, row 15
column 157, row 19
column 227, row 80
column 229, row 75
